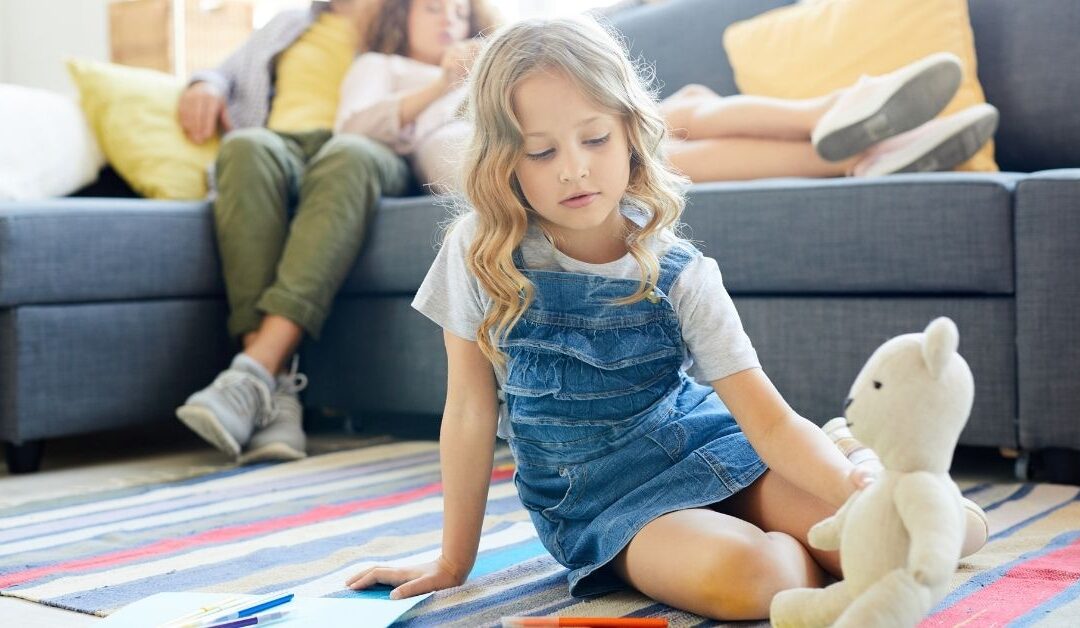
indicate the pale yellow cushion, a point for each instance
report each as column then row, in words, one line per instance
column 133, row 114
column 812, row 48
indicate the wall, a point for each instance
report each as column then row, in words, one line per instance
column 36, row 36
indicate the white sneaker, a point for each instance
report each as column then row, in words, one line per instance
column 879, row 107
column 940, row 144
column 282, row 438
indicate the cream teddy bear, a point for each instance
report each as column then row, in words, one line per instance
column 900, row 537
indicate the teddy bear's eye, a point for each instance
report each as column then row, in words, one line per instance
column 877, row 384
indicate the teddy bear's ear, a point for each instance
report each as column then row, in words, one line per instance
column 942, row 339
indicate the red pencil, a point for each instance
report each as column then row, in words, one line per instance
column 583, row 622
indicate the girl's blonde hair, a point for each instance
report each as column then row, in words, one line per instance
column 594, row 59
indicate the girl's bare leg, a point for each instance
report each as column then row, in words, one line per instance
column 742, row 158
column 274, row 342
column 776, row 505
column 695, row 112
column 715, row 564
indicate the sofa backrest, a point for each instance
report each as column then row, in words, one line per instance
column 684, row 39
column 1028, row 55
column 1029, row 66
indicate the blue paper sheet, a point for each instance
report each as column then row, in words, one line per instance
column 307, row 611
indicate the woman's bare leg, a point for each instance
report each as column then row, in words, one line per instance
column 716, row 565
column 776, row 505
column 742, row 158
column 274, row 342
column 695, row 112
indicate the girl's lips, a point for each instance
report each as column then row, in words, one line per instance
column 580, row 200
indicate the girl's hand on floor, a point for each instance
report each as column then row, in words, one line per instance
column 409, row 581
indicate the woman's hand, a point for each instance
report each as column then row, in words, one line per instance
column 410, row 581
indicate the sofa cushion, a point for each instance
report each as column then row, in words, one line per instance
column 77, row 250
column 1027, row 54
column 940, row 233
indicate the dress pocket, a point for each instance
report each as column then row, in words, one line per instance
column 671, row 437
column 551, row 492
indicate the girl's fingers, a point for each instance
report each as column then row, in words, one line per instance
column 357, row 576
column 413, row 587
column 382, row 575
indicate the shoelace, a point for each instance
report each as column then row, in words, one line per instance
column 294, row 381
column 248, row 392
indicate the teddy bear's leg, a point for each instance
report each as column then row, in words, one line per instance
column 808, row 607
column 895, row 600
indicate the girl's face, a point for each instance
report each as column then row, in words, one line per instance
column 434, row 25
column 577, row 158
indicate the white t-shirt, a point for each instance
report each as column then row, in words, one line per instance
column 715, row 340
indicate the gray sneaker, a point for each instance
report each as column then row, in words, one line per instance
column 283, row 437
column 226, row 412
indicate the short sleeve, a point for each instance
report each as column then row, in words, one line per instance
column 450, row 295
column 710, row 324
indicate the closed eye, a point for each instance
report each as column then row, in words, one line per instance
column 539, row 156
column 598, row 140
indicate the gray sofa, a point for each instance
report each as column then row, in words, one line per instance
column 112, row 310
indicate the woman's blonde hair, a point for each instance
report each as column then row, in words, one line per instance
column 389, row 31
column 595, row 60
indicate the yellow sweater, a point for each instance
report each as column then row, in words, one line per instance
column 309, row 75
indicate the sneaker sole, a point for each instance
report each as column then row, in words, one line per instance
column 274, row 452
column 948, row 153
column 206, row 424
column 916, row 100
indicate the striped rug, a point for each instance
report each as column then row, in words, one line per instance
column 305, row 526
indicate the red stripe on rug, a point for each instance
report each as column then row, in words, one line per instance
column 232, row 533
column 1016, row 592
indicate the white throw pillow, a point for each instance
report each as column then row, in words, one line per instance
column 46, row 147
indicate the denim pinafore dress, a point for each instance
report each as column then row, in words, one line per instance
column 607, row 429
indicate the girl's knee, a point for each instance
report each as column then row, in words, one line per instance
column 740, row 581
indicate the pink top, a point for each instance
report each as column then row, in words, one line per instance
column 370, row 105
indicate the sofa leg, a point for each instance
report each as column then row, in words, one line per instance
column 24, row 457
column 1053, row 464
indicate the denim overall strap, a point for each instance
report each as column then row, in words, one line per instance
column 677, row 257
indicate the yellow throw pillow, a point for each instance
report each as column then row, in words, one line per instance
column 133, row 114
column 812, row 48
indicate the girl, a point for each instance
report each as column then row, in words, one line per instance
column 407, row 91
column 566, row 294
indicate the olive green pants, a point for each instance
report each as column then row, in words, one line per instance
column 285, row 261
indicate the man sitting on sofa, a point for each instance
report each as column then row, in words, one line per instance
column 279, row 92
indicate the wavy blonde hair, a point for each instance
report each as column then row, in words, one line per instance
column 597, row 62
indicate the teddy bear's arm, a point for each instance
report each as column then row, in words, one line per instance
column 825, row 535
column 925, row 505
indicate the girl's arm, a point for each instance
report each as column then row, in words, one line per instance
column 790, row 444
column 466, row 447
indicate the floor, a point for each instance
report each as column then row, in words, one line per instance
column 111, row 460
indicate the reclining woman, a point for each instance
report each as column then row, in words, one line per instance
column 283, row 268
